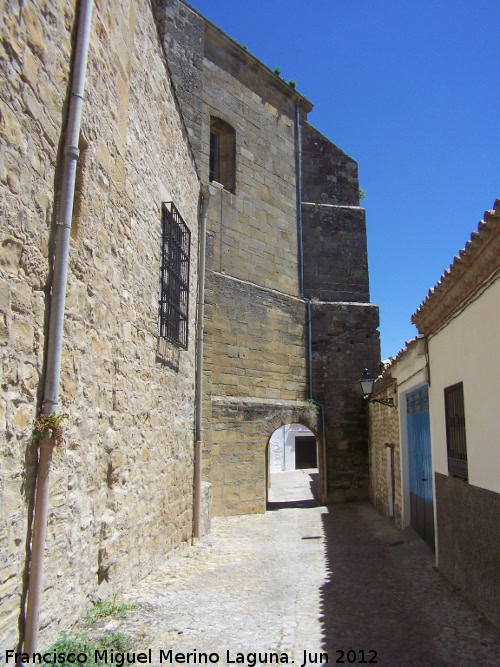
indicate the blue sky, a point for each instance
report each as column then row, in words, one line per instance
column 411, row 91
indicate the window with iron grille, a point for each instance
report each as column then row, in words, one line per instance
column 174, row 277
column 455, row 430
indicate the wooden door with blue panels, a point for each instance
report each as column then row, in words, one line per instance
column 420, row 463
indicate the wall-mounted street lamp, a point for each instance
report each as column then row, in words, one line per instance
column 366, row 382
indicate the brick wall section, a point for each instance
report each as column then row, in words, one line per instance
column 256, row 229
column 121, row 488
column 384, row 429
column 255, row 343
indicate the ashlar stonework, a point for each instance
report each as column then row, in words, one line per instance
column 171, row 101
column 287, row 311
column 121, row 487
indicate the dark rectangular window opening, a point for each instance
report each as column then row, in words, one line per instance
column 455, row 431
column 174, row 277
column 214, row 153
column 222, row 157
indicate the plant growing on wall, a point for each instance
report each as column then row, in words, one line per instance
column 312, row 404
column 49, row 426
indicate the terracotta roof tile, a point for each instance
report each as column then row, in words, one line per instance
column 452, row 289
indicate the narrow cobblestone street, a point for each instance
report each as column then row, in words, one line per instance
column 337, row 580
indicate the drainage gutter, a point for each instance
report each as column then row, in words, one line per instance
column 205, row 193
column 320, row 406
column 50, row 404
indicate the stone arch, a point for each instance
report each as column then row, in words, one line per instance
column 303, row 415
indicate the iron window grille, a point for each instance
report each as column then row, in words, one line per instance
column 455, row 430
column 174, row 277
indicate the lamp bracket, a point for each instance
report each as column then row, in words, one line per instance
column 385, row 401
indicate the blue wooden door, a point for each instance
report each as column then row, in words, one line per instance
column 420, row 461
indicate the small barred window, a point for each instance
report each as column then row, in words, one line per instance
column 174, row 277
column 455, row 430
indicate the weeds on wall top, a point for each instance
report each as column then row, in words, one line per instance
column 291, row 83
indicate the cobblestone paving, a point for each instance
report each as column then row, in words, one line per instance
column 337, row 580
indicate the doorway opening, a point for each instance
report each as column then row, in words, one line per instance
column 292, row 467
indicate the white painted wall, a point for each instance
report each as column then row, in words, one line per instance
column 468, row 350
column 282, row 446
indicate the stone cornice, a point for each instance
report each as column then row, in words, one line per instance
column 217, row 37
column 471, row 268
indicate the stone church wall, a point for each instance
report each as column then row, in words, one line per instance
column 344, row 324
column 255, row 324
column 256, row 338
column 121, row 487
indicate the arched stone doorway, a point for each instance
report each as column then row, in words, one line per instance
column 293, row 461
column 239, row 450
column 292, row 447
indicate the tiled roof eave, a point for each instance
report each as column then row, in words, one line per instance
column 472, row 267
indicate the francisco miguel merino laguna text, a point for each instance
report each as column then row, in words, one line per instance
column 120, row 658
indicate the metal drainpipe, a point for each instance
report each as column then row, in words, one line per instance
column 299, row 197
column 302, row 293
column 206, row 192
column 56, row 323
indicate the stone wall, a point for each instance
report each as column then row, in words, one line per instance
column 242, row 429
column 344, row 324
column 182, row 34
column 343, row 337
column 256, row 333
column 254, row 342
column 385, row 484
column 329, row 176
column 121, row 487
column 255, row 357
column 255, row 319
column 336, row 261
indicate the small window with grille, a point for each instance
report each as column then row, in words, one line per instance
column 455, row 430
column 174, row 277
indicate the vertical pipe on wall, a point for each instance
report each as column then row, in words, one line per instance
column 308, row 301
column 206, row 192
column 299, row 197
column 50, row 404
